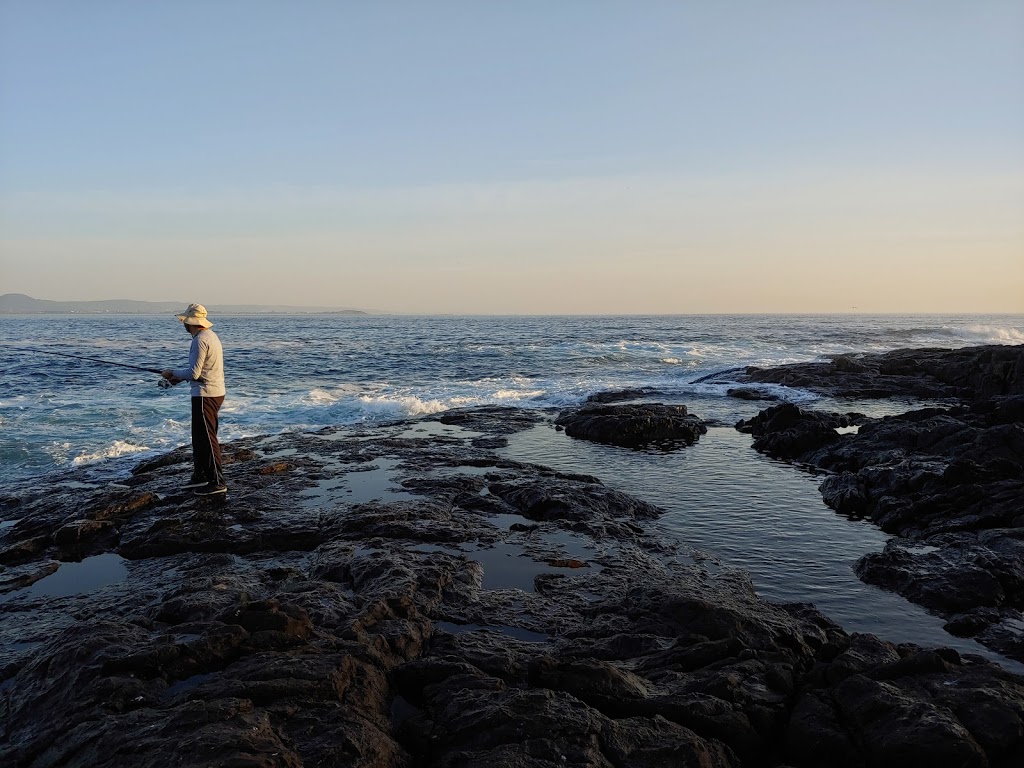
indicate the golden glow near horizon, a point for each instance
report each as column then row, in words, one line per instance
column 883, row 242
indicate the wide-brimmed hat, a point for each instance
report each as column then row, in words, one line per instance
column 195, row 315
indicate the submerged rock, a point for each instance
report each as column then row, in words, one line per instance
column 749, row 393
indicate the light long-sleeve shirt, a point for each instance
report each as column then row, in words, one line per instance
column 206, row 362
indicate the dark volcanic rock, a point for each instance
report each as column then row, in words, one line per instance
column 971, row 373
column 495, row 419
column 616, row 395
column 634, row 425
column 788, row 432
column 948, row 481
column 748, row 393
column 555, row 499
column 293, row 625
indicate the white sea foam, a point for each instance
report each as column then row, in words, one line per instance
column 406, row 405
column 517, row 394
column 991, row 334
column 119, row 448
column 321, row 397
column 787, row 394
column 460, row 401
column 58, row 451
column 671, row 360
column 325, row 396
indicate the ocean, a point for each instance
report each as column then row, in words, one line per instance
column 305, row 372
column 740, row 509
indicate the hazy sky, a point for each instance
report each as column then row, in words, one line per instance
column 555, row 157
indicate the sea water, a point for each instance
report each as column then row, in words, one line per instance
column 305, row 372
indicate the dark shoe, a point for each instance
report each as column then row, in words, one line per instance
column 196, row 482
column 211, row 489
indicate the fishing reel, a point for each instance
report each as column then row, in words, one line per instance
column 164, row 384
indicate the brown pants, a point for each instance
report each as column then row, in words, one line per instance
column 205, row 446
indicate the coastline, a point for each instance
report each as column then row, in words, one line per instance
column 946, row 481
column 353, row 603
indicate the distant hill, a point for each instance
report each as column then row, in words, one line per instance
column 20, row 304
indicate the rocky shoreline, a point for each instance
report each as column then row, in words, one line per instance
column 404, row 595
column 948, row 482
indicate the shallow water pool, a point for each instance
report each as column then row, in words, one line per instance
column 757, row 514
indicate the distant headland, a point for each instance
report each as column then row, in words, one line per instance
column 20, row 304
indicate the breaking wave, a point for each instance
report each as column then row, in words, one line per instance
column 992, row 334
column 119, row 448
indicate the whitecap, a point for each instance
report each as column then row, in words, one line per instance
column 992, row 334
column 320, row 397
column 58, row 451
column 119, row 448
column 517, row 394
column 463, row 400
column 403, row 405
column 325, row 396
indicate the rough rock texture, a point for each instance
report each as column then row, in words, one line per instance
column 949, row 482
column 962, row 374
column 632, row 425
column 308, row 621
column 616, row 395
column 788, row 432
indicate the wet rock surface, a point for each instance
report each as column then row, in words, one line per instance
column 618, row 395
column 973, row 373
column 748, row 393
column 632, row 425
column 948, row 482
column 404, row 596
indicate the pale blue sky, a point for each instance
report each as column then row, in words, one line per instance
column 516, row 157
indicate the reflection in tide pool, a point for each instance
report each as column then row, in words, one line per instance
column 358, row 486
column 515, row 632
column 91, row 574
column 757, row 514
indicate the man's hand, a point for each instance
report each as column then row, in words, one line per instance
column 168, row 374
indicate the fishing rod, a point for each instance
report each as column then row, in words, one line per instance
column 104, row 362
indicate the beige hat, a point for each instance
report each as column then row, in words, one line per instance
column 195, row 315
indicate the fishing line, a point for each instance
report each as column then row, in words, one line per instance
column 164, row 383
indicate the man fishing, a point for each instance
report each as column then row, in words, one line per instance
column 205, row 371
